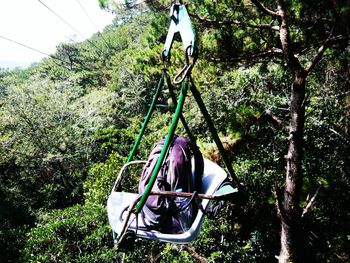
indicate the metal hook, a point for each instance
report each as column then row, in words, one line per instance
column 183, row 73
column 186, row 70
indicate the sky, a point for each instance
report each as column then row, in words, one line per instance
column 30, row 23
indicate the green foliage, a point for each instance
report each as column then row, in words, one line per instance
column 100, row 179
column 75, row 234
column 48, row 134
column 101, row 176
column 12, row 239
column 174, row 253
column 68, row 124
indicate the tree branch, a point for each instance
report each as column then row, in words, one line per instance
column 246, row 60
column 264, row 9
column 329, row 42
column 156, row 4
column 274, row 119
column 194, row 254
column 210, row 22
column 251, row 56
column 311, row 202
column 281, row 213
column 257, row 26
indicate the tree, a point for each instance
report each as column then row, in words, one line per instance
column 290, row 210
column 66, row 128
column 296, row 34
column 48, row 135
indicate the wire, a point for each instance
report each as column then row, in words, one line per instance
column 24, row 45
column 92, row 22
column 41, row 52
column 33, row 49
column 74, row 29
column 86, row 13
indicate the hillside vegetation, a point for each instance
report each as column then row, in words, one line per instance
column 67, row 125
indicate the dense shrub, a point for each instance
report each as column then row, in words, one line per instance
column 76, row 234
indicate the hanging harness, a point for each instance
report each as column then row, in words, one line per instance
column 180, row 24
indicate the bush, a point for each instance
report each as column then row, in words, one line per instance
column 100, row 179
column 76, row 234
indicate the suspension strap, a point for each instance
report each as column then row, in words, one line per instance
column 192, row 138
column 212, row 129
column 180, row 23
column 147, row 118
column 165, row 147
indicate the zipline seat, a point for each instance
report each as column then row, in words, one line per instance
column 212, row 179
column 125, row 209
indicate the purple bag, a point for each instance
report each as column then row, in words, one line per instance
column 172, row 214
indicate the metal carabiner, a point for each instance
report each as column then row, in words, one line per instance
column 186, row 70
column 183, row 73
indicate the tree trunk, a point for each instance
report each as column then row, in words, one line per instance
column 290, row 212
column 290, row 234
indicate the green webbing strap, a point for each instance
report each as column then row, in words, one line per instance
column 212, row 129
column 147, row 118
column 165, row 147
column 182, row 118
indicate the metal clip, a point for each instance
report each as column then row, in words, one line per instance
column 183, row 73
column 186, row 70
column 181, row 23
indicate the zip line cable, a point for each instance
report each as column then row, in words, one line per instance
column 41, row 52
column 26, row 46
column 73, row 28
column 33, row 49
column 86, row 13
column 92, row 22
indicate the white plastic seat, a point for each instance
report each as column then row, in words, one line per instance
column 213, row 177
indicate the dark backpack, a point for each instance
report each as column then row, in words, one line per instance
column 172, row 214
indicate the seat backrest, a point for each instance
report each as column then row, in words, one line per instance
column 213, row 177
